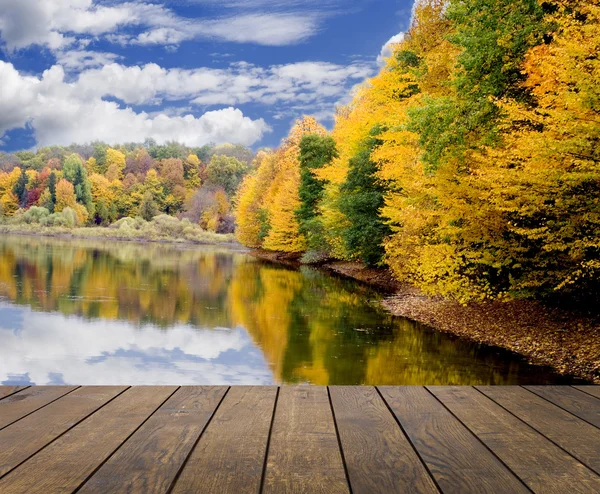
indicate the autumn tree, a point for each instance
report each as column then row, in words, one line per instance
column 225, row 171
column 315, row 152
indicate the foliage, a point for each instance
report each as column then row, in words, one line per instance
column 362, row 197
column 315, row 152
column 111, row 182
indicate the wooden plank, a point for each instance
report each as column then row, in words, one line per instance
column 66, row 463
column 378, row 456
column 543, row 466
column 574, row 435
column 455, row 457
column 27, row 436
column 591, row 390
column 10, row 390
column 16, row 406
column 577, row 402
column 304, row 454
column 150, row 459
column 230, row 456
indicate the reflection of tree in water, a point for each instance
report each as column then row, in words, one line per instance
column 311, row 327
column 153, row 283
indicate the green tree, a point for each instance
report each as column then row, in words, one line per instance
column 52, row 190
column 20, row 188
column 148, row 209
column 75, row 172
column 227, row 172
column 493, row 36
column 316, row 151
column 362, row 197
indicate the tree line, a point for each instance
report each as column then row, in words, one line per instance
column 97, row 184
column 469, row 165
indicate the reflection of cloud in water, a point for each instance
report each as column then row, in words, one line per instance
column 51, row 348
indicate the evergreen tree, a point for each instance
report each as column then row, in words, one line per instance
column 148, row 209
column 361, row 201
column 52, row 189
column 20, row 188
column 315, row 152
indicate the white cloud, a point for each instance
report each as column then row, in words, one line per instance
column 388, row 48
column 57, row 24
column 78, row 60
column 63, row 113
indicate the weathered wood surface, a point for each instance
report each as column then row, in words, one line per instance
column 163, row 439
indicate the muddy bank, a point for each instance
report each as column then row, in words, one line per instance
column 567, row 341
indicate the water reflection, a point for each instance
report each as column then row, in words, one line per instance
column 91, row 313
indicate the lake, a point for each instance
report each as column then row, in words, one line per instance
column 93, row 312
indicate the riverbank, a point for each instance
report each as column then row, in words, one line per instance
column 567, row 341
column 151, row 234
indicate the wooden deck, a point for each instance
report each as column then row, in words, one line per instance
column 339, row 439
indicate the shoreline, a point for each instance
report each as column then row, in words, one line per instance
column 568, row 342
column 69, row 235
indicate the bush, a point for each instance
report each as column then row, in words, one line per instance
column 34, row 214
column 167, row 226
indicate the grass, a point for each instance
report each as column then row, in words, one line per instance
column 161, row 228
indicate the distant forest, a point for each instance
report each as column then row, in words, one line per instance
column 103, row 183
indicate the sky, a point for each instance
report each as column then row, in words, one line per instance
column 194, row 71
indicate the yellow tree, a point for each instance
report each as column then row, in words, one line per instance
column 251, row 217
column 543, row 185
column 65, row 195
column 116, row 160
column 282, row 198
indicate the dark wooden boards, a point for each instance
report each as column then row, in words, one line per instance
column 230, row 456
column 577, row 437
column 67, row 462
column 28, row 435
column 456, row 458
column 574, row 401
column 150, row 460
column 163, row 439
column 542, row 465
column 591, row 390
column 304, row 454
column 10, row 390
column 18, row 405
column 378, row 456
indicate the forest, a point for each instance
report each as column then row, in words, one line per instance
column 469, row 165
column 97, row 184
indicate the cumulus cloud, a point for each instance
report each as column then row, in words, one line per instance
column 56, row 24
column 63, row 113
column 388, row 48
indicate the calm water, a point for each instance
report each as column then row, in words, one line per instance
column 86, row 312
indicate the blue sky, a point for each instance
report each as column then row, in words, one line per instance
column 196, row 71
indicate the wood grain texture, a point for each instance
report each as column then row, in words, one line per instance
column 27, row 436
column 304, row 454
column 378, row 456
column 66, row 463
column 457, row 459
column 150, row 459
column 577, row 402
column 230, row 455
column 591, row 390
column 29, row 400
column 9, row 390
column 571, row 433
column 543, row 466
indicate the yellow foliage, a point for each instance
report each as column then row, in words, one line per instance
column 65, row 195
